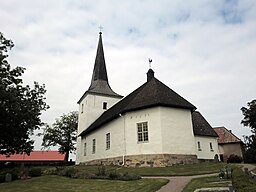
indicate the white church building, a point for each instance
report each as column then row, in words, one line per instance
column 152, row 126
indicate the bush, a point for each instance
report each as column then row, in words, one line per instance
column 123, row 177
column 50, row 171
column 2, row 177
column 35, row 172
column 242, row 182
column 250, row 156
column 113, row 175
column 67, row 172
column 101, row 171
column 15, row 172
column 234, row 159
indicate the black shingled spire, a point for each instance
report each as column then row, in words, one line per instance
column 99, row 71
column 99, row 82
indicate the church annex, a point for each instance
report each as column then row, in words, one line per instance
column 152, row 126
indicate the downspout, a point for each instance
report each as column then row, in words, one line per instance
column 124, row 154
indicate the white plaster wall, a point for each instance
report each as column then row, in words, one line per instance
column 115, row 128
column 206, row 152
column 177, row 131
column 92, row 109
column 154, row 145
column 128, row 145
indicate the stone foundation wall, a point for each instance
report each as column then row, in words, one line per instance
column 154, row 160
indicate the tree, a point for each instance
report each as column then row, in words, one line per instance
column 62, row 133
column 20, row 106
column 249, row 120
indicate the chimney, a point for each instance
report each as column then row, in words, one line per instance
column 150, row 75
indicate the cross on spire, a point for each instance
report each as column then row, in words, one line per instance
column 100, row 27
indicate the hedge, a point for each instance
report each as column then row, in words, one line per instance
column 242, row 182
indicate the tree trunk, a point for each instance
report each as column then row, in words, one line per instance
column 66, row 157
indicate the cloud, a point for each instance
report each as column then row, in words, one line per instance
column 204, row 50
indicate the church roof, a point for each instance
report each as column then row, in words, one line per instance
column 99, row 82
column 200, row 126
column 151, row 94
column 35, row 156
column 226, row 136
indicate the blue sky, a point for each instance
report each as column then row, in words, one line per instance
column 203, row 50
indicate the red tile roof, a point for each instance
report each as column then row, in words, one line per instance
column 226, row 136
column 35, row 156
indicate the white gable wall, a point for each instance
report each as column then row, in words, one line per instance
column 177, row 131
column 154, row 145
column 90, row 108
column 205, row 151
column 115, row 128
column 169, row 131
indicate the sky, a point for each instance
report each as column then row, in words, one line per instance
column 204, row 50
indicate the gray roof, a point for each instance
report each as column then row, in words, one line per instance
column 201, row 127
column 99, row 83
column 151, row 94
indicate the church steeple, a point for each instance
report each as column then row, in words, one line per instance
column 99, row 71
column 99, row 82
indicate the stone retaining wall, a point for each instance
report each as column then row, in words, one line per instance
column 149, row 160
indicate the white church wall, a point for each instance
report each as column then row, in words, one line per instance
column 154, row 143
column 204, row 149
column 91, row 108
column 177, row 131
column 78, row 150
column 115, row 128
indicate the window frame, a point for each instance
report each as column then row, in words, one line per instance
column 82, row 108
column 93, row 146
column 107, row 141
column 211, row 148
column 142, row 132
column 105, row 105
column 85, row 149
column 199, row 146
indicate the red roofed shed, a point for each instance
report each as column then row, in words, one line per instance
column 35, row 158
column 228, row 143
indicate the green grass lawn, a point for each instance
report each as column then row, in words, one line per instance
column 195, row 169
column 55, row 183
column 206, row 182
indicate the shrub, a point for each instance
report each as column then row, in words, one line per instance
column 123, row 177
column 35, row 172
column 113, row 175
column 234, row 159
column 67, row 172
column 2, row 177
column 50, row 171
column 101, row 171
column 15, row 172
column 242, row 182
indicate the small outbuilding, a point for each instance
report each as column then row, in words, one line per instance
column 34, row 158
column 228, row 143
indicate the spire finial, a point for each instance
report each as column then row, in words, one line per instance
column 100, row 27
column 149, row 61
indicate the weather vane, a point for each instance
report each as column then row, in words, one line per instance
column 100, row 27
column 150, row 61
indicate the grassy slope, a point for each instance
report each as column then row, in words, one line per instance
column 195, row 169
column 63, row 184
column 205, row 183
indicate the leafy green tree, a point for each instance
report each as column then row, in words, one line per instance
column 20, row 106
column 249, row 120
column 63, row 133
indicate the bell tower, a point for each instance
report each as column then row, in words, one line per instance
column 98, row 98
